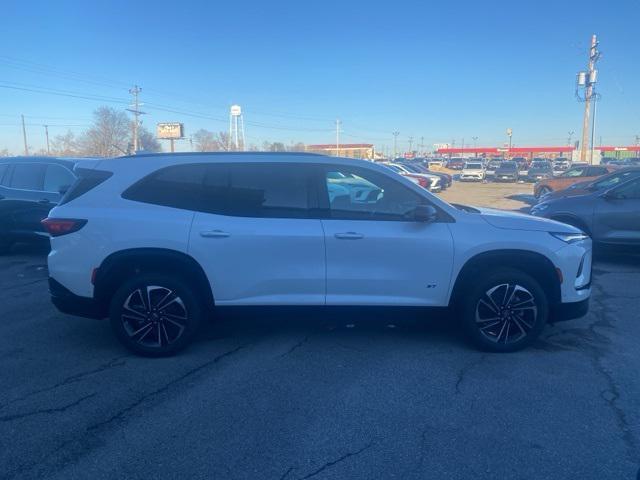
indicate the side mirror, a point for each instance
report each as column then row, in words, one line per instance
column 425, row 213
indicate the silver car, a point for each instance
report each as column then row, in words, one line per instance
column 609, row 216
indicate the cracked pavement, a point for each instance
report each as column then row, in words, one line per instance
column 319, row 394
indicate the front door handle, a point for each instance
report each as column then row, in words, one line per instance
column 214, row 234
column 349, row 236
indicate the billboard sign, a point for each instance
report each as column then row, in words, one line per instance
column 170, row 130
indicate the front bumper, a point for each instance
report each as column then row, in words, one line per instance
column 72, row 304
column 505, row 178
column 569, row 311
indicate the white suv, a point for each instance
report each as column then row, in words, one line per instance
column 155, row 242
column 472, row 171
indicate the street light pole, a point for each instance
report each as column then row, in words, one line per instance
column 475, row 144
column 395, row 144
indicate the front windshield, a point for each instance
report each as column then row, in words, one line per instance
column 508, row 166
column 473, row 166
column 574, row 172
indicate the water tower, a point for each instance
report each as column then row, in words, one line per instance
column 236, row 129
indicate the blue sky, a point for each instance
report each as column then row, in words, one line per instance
column 438, row 70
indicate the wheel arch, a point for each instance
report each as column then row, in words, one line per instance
column 571, row 219
column 532, row 263
column 124, row 264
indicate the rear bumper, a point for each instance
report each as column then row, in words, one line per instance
column 72, row 304
column 569, row 311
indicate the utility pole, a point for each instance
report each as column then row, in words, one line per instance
column 395, row 144
column 337, row 137
column 410, row 143
column 588, row 80
column 24, row 136
column 509, row 134
column 135, row 91
column 593, row 126
column 462, row 154
column 422, row 145
column 46, row 133
column 570, row 136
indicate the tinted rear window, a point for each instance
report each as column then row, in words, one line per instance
column 244, row 190
column 269, row 190
column 86, row 181
column 28, row 176
column 180, row 186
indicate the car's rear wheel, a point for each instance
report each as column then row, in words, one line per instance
column 155, row 315
column 504, row 312
column 543, row 191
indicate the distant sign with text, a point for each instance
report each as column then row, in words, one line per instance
column 170, row 130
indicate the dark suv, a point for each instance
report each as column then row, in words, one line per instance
column 29, row 188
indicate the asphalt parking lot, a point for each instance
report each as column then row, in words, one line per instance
column 323, row 394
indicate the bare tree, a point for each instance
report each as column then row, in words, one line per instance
column 65, row 145
column 206, row 141
column 4, row 152
column 109, row 135
column 147, row 141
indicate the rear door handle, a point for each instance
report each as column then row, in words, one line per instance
column 349, row 236
column 214, row 234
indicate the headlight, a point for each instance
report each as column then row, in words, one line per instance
column 570, row 237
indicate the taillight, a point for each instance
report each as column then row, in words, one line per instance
column 62, row 226
column 424, row 182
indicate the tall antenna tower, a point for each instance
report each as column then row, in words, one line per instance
column 236, row 129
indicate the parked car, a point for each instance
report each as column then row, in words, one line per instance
column 436, row 162
column 506, row 172
column 610, row 215
column 561, row 165
column 491, row 167
column 162, row 239
column 435, row 182
column 29, row 188
column 455, row 163
column 472, row 172
column 419, row 167
column 600, row 183
column 421, row 180
column 523, row 164
column 571, row 176
column 539, row 170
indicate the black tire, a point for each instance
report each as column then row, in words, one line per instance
column 170, row 307
column 516, row 323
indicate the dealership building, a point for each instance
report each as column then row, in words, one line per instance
column 351, row 150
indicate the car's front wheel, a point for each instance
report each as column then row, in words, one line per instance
column 155, row 315
column 505, row 311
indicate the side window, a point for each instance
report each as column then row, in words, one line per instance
column 57, row 177
column 28, row 176
column 630, row 191
column 358, row 194
column 595, row 171
column 277, row 190
column 574, row 172
column 180, row 186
